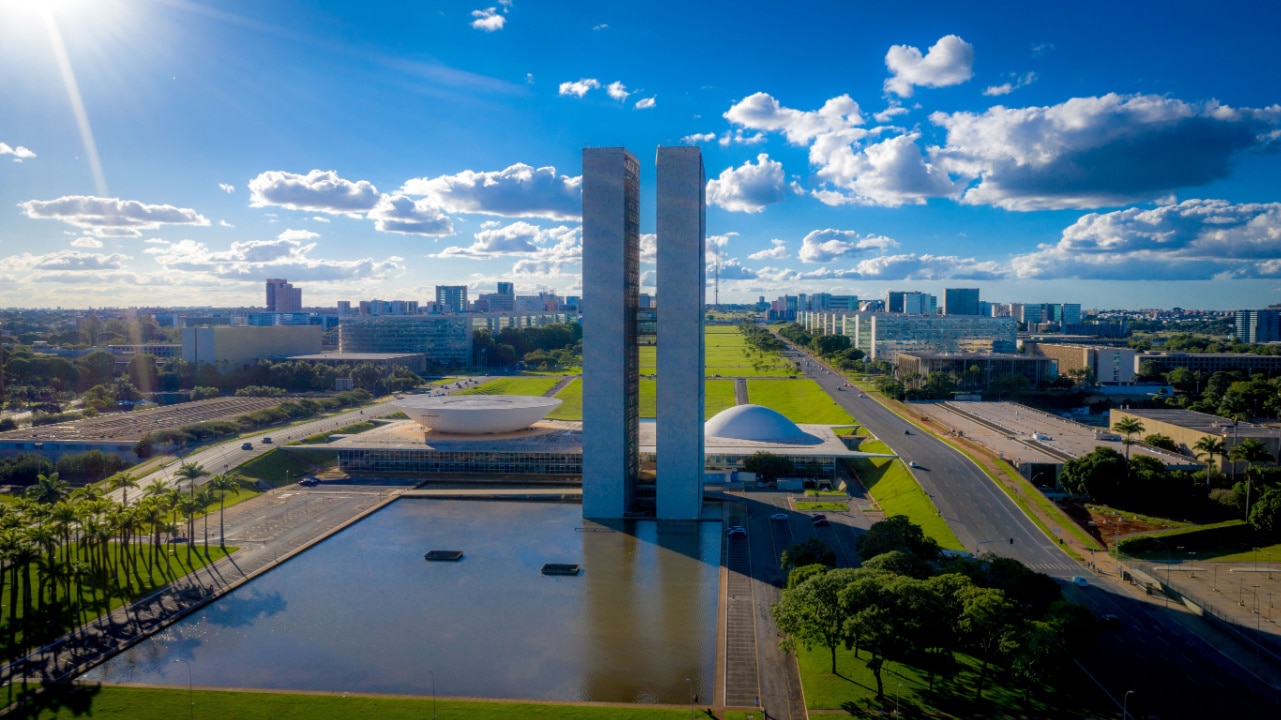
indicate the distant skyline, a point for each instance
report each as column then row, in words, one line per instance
column 181, row 152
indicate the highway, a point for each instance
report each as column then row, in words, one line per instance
column 1173, row 672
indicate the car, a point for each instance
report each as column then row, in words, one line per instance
column 778, row 516
column 309, row 482
column 907, row 432
column 862, row 395
column 912, row 464
column 266, row 441
column 247, row 446
column 737, row 532
column 819, row 516
column 820, row 522
column 1080, row 581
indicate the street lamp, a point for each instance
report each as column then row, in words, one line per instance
column 433, row 694
column 191, row 697
column 980, row 544
column 1125, row 705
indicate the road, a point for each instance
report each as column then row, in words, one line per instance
column 1173, row 671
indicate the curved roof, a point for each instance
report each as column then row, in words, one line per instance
column 476, row 414
column 757, row 423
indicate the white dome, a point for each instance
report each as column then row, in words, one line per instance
column 754, row 422
column 476, row 414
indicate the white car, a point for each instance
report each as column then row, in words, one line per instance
column 778, row 516
column 912, row 463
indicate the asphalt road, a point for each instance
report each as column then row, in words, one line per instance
column 1173, row 672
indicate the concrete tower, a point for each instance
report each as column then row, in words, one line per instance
column 611, row 362
column 681, row 286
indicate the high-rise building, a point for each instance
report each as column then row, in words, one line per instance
column 911, row 303
column 681, row 265
column 283, row 297
column 611, row 361
column 961, row 301
column 1258, row 326
column 506, row 288
column 452, row 297
column 1070, row 314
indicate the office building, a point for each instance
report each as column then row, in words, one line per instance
column 283, row 297
column 961, row 301
column 506, row 288
column 234, row 347
column 911, row 303
column 443, row 339
column 1210, row 363
column 681, row 243
column 611, row 362
column 1258, row 326
column 990, row 366
column 1107, row 365
column 1069, row 314
column 452, row 298
column 884, row 335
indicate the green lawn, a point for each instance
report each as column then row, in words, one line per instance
column 872, row 445
column 853, row 687
column 727, row 355
column 720, row 395
column 894, row 489
column 819, row 505
column 352, row 429
column 801, row 401
column 128, row 703
column 571, row 403
column 534, row 386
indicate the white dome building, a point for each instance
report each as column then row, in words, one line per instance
column 476, row 414
column 757, row 424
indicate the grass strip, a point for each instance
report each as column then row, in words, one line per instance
column 821, row 505
column 898, row 493
column 534, row 386
column 801, row 401
column 111, row 702
column 571, row 402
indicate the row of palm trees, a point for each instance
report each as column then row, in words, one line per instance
column 67, row 556
column 1251, row 451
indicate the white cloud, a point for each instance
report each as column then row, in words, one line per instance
column 554, row 260
column 110, row 217
column 488, row 19
column 890, row 173
column 406, row 216
column 748, row 188
column 602, row 26
column 731, row 269
column 889, row 113
column 256, row 260
column 649, row 278
column 297, row 235
column 698, row 138
column 824, row 245
column 229, row 189
column 579, row 88
column 32, row 267
column 949, row 62
column 19, row 153
column 1191, row 240
column 86, row 242
column 738, row 137
column 762, row 112
column 714, row 246
column 646, row 103
column 1021, row 81
column 320, row 219
column 517, row 191
column 224, row 223
column 649, row 248
column 616, row 90
column 317, row 191
column 777, row 252
column 519, row 238
column 1095, row 151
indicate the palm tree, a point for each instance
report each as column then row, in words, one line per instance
column 1129, row 427
column 123, row 481
column 1252, row 452
column 190, row 472
column 221, row 485
column 1209, row 447
column 48, row 489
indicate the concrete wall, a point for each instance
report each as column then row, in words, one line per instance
column 611, row 363
column 236, row 346
column 681, row 352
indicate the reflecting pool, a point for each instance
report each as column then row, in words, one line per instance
column 364, row 612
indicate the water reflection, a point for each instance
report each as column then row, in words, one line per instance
column 363, row 612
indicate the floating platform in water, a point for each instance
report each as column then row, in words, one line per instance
column 560, row 569
column 444, row 555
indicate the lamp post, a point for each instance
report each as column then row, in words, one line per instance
column 433, row 694
column 191, row 697
column 690, row 685
column 980, row 544
column 1125, row 705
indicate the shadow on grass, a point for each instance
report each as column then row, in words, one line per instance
column 55, row 701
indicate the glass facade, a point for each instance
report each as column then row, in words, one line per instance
column 444, row 339
column 443, row 462
column 884, row 335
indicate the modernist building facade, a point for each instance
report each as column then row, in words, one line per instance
column 682, row 280
column 884, row 335
column 611, row 358
column 443, row 339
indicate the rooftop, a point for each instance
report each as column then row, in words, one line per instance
column 1202, row 422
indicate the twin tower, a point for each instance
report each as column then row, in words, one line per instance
column 611, row 363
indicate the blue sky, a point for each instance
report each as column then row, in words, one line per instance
column 174, row 152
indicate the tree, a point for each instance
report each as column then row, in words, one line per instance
column 1098, row 475
column 122, row 481
column 1163, row 442
column 767, row 466
column 986, row 624
column 813, row 614
column 896, row 532
column 1129, row 427
column 1209, row 447
column 97, row 368
column 1265, row 516
column 221, row 485
column 811, row 552
column 49, row 489
column 1252, row 452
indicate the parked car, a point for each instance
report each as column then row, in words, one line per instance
column 309, row 482
column 247, row 446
